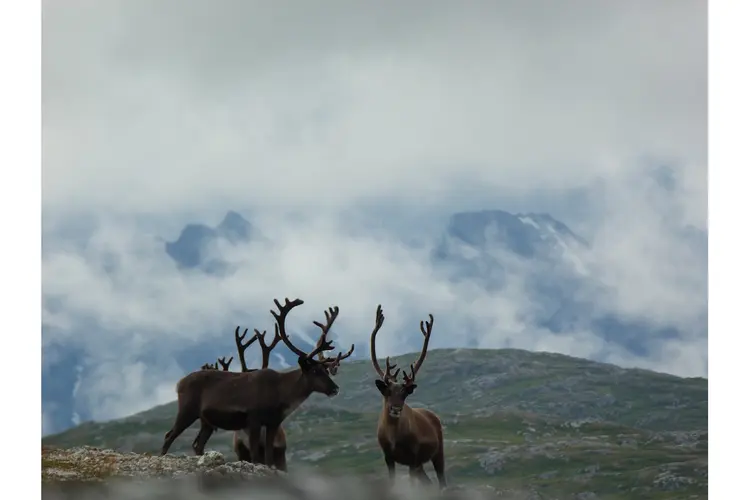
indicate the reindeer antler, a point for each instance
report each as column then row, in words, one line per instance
column 388, row 368
column 379, row 318
column 266, row 349
column 224, row 363
column 426, row 328
column 325, row 345
column 281, row 320
column 242, row 347
column 209, row 366
column 332, row 364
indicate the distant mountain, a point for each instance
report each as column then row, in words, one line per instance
column 486, row 246
column 555, row 424
column 528, row 235
column 190, row 249
column 491, row 246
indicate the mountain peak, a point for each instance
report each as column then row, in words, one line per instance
column 487, row 227
column 190, row 246
column 235, row 228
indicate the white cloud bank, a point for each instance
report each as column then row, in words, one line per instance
column 177, row 111
column 173, row 105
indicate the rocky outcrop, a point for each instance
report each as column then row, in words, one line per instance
column 87, row 473
column 87, row 463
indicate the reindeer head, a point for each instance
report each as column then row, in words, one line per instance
column 395, row 393
column 316, row 371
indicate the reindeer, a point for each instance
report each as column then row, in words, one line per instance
column 241, row 439
column 254, row 399
column 407, row 436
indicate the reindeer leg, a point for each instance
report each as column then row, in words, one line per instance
column 254, row 432
column 438, row 462
column 391, row 464
column 419, row 474
column 279, row 458
column 270, row 438
column 199, row 443
column 243, row 452
column 240, row 448
column 183, row 420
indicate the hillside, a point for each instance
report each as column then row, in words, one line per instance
column 513, row 419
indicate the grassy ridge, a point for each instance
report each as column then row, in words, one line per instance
column 513, row 419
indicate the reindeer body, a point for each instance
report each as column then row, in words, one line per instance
column 413, row 439
column 241, row 439
column 274, row 397
column 235, row 401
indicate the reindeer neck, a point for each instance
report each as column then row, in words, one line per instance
column 398, row 425
column 294, row 389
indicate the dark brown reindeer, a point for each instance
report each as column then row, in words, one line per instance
column 241, row 439
column 407, row 436
column 241, row 442
column 254, row 399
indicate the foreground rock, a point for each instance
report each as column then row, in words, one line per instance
column 84, row 473
column 87, row 463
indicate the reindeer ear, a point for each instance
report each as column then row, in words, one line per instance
column 304, row 363
column 410, row 388
column 382, row 387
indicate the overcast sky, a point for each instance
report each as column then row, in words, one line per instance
column 176, row 111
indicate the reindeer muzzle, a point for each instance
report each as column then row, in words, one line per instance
column 333, row 392
column 395, row 411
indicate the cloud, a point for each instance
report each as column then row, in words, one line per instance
column 48, row 421
column 330, row 124
column 646, row 252
column 124, row 283
column 115, row 388
column 172, row 106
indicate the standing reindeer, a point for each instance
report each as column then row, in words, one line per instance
column 241, row 439
column 407, row 436
column 254, row 399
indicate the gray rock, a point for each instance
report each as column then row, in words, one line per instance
column 211, row 459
